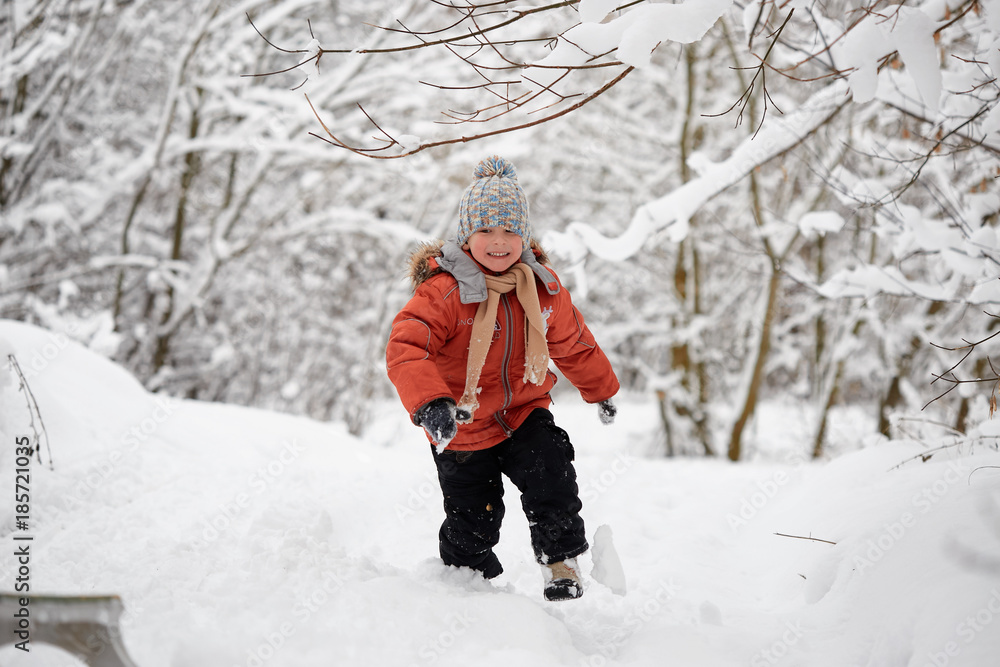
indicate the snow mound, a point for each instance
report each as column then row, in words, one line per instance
column 608, row 568
column 247, row 538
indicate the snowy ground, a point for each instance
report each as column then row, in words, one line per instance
column 244, row 538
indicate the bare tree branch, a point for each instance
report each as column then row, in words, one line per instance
column 744, row 99
column 374, row 152
column 949, row 374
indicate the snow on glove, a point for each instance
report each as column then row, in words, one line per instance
column 438, row 419
column 606, row 410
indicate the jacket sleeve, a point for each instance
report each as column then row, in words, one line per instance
column 418, row 332
column 576, row 353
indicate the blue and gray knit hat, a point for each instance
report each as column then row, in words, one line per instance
column 493, row 200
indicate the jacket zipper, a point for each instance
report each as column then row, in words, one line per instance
column 508, row 351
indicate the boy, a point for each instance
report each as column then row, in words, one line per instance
column 469, row 358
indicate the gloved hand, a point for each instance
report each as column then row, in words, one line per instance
column 606, row 410
column 438, row 419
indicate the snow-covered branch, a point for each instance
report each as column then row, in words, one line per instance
column 673, row 211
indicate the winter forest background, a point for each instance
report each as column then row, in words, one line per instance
column 786, row 201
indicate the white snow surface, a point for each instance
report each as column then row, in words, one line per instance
column 635, row 34
column 594, row 11
column 243, row 537
column 818, row 223
column 910, row 33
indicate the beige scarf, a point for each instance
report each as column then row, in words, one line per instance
column 536, row 363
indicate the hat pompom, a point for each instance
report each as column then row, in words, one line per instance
column 495, row 166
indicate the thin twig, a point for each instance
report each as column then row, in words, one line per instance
column 33, row 412
column 799, row 537
column 371, row 152
column 969, row 348
column 980, row 468
column 521, row 14
column 762, row 73
column 270, row 43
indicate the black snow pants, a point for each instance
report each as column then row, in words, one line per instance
column 538, row 459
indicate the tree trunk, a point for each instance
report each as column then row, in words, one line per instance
column 687, row 287
column 7, row 163
column 668, row 439
column 192, row 164
column 830, row 399
column 891, row 399
column 961, row 420
column 757, row 375
column 894, row 395
column 162, row 135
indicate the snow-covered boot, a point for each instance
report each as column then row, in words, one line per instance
column 562, row 580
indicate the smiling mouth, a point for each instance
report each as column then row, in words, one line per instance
column 498, row 254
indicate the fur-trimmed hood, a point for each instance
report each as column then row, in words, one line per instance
column 432, row 258
column 419, row 266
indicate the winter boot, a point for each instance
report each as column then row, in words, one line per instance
column 562, row 580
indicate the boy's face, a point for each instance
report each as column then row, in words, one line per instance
column 496, row 248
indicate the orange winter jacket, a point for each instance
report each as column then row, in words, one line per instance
column 428, row 347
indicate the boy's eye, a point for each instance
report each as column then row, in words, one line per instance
column 490, row 230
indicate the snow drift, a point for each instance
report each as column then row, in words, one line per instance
column 239, row 537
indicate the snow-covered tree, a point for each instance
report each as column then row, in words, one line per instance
column 767, row 197
column 889, row 111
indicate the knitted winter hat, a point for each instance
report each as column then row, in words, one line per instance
column 493, row 200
